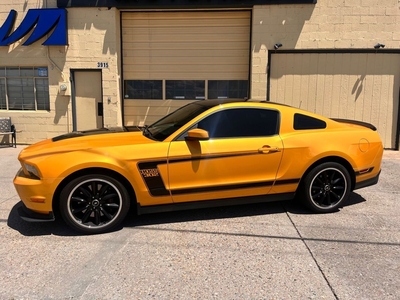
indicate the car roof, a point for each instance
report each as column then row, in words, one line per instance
column 214, row 102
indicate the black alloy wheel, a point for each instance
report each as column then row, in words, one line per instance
column 326, row 187
column 94, row 203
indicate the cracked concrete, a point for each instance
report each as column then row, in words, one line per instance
column 263, row 251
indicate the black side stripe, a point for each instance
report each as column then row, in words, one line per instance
column 221, row 188
column 206, row 157
column 155, row 185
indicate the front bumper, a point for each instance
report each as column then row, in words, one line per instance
column 30, row 216
column 36, row 196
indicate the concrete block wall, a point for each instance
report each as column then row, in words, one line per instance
column 329, row 24
column 34, row 125
column 93, row 35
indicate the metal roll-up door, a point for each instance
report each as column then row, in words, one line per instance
column 358, row 86
column 160, row 47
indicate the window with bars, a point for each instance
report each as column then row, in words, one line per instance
column 24, row 88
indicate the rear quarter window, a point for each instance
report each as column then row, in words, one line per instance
column 303, row 122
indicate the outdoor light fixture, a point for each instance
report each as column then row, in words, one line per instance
column 379, row 45
column 278, row 45
column 63, row 87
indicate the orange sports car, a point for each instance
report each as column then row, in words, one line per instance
column 207, row 153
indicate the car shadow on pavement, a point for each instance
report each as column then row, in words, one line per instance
column 296, row 207
column 59, row 228
column 247, row 210
column 37, row 228
column 212, row 213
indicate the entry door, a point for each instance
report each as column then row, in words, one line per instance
column 88, row 108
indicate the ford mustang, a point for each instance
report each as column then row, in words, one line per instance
column 207, row 153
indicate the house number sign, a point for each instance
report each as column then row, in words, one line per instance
column 102, row 65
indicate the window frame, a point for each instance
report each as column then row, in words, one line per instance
column 182, row 136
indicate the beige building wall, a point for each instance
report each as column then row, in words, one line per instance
column 35, row 125
column 93, row 36
column 355, row 86
column 329, row 24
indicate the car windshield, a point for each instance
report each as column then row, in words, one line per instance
column 166, row 126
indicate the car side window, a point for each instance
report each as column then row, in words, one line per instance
column 303, row 122
column 241, row 122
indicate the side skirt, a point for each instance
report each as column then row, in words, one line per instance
column 367, row 182
column 213, row 203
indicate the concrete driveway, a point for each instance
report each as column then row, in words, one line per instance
column 264, row 251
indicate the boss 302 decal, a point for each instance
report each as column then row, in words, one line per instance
column 51, row 21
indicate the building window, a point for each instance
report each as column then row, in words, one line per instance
column 185, row 89
column 143, row 89
column 221, row 89
column 24, row 88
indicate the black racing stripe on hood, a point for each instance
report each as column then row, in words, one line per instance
column 95, row 132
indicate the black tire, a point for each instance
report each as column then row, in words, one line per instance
column 94, row 203
column 326, row 187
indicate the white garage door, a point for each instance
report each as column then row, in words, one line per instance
column 172, row 58
column 358, row 86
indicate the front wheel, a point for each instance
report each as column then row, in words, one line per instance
column 94, row 203
column 326, row 187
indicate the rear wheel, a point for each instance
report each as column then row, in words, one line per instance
column 94, row 203
column 326, row 187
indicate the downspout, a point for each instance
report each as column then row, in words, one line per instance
column 48, row 53
column 53, row 63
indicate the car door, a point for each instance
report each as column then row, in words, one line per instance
column 240, row 158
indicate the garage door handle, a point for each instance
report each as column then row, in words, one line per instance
column 268, row 149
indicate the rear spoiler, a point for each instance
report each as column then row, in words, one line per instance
column 360, row 123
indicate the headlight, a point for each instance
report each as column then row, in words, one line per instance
column 32, row 170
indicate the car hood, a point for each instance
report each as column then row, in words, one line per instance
column 84, row 140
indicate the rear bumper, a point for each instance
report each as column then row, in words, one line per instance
column 367, row 182
column 30, row 216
